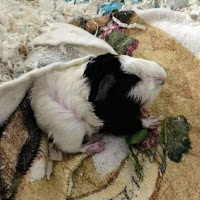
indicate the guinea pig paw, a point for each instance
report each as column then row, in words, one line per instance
column 143, row 112
column 54, row 153
column 95, row 147
column 96, row 137
column 151, row 122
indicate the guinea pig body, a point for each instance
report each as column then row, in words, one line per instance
column 60, row 104
column 106, row 94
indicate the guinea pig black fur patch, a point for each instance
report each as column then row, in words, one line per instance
column 109, row 88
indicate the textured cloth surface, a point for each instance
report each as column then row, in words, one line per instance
column 175, row 24
column 179, row 96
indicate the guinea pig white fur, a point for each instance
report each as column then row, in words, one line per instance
column 152, row 78
column 105, row 94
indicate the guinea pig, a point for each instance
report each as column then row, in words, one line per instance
column 103, row 95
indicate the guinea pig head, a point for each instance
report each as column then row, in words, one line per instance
column 124, row 77
column 152, row 78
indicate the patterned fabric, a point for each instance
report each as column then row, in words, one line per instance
column 111, row 32
column 18, row 146
column 164, row 166
column 121, row 43
column 30, row 148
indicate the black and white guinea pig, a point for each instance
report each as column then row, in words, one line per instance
column 106, row 94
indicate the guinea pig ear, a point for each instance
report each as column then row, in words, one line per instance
column 104, row 87
column 102, row 65
column 100, row 74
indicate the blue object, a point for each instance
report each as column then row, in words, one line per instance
column 157, row 6
column 70, row 0
column 135, row 1
column 109, row 7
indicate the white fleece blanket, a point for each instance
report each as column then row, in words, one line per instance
column 85, row 44
column 176, row 25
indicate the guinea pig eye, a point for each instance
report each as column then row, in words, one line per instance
column 131, row 78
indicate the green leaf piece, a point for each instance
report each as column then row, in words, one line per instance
column 137, row 137
column 175, row 137
column 138, row 167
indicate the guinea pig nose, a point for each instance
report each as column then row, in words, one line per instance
column 160, row 80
